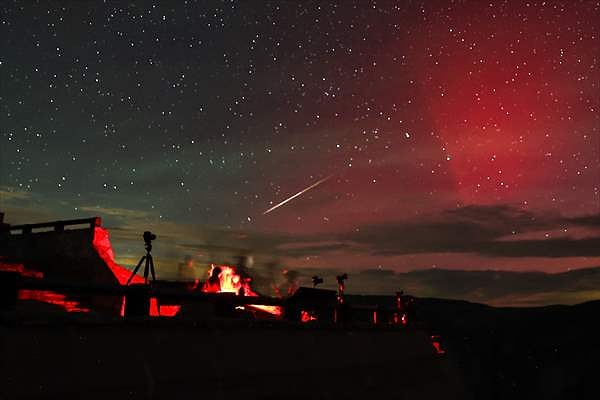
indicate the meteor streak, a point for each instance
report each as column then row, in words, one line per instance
column 297, row 194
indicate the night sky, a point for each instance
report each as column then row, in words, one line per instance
column 459, row 135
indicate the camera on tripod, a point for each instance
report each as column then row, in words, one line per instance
column 149, row 265
column 149, row 237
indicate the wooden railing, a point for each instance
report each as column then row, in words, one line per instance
column 57, row 226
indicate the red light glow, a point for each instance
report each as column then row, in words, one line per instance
column 50, row 297
column 104, row 249
column 435, row 341
column 231, row 282
column 307, row 316
column 157, row 310
column 20, row 268
column 102, row 245
column 44, row 296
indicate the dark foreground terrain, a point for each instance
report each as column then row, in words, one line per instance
column 536, row 353
column 512, row 353
column 492, row 353
column 60, row 357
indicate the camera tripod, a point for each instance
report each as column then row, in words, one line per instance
column 149, row 265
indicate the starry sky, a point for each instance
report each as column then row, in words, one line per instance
column 457, row 135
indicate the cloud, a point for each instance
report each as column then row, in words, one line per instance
column 562, row 247
column 22, row 206
column 8, row 194
column 485, row 230
column 499, row 288
column 116, row 212
column 586, row 220
column 488, row 231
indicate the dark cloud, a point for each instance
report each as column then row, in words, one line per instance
column 502, row 288
column 484, row 230
column 587, row 247
column 592, row 220
column 379, row 273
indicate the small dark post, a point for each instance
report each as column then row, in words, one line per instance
column 341, row 286
column 342, row 310
column 399, row 304
column 137, row 301
column 316, row 280
column 9, row 290
column 3, row 225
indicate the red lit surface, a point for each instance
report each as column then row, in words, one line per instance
column 231, row 282
column 20, row 268
column 435, row 341
column 104, row 249
column 44, row 296
column 102, row 245
column 157, row 310
column 50, row 297
column 307, row 316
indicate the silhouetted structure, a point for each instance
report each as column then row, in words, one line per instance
column 318, row 303
column 341, row 286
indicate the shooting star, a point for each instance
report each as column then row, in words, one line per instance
column 297, row 194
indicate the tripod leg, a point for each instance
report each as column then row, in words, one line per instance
column 152, row 269
column 135, row 270
column 151, row 261
column 146, row 268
